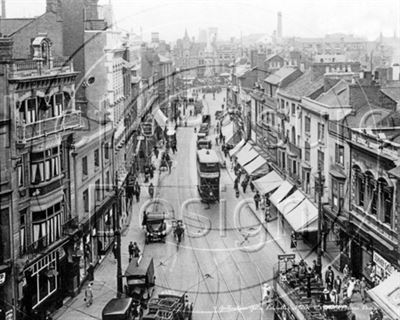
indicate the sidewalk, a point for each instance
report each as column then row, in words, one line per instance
column 281, row 236
column 105, row 283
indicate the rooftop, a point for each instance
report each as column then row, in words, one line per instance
column 279, row 75
column 305, row 85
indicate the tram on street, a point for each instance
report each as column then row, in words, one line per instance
column 208, row 175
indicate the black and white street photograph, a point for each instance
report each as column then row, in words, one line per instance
column 199, row 160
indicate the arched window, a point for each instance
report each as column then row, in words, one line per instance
column 371, row 194
column 293, row 135
column 359, row 186
column 386, row 201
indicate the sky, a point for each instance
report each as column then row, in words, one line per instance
column 304, row 18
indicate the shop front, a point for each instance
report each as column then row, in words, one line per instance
column 371, row 258
column 6, row 305
column 336, row 238
column 44, row 283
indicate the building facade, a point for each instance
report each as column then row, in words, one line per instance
column 41, row 116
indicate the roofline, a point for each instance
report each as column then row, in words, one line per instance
column 32, row 20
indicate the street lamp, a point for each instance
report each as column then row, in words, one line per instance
column 320, row 186
column 117, row 236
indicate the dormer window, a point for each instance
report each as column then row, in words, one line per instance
column 42, row 49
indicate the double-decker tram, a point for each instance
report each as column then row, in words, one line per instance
column 208, row 174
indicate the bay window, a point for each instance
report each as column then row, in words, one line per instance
column 45, row 165
column 46, row 226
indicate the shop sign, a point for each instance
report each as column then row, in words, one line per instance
column 383, row 267
column 2, row 277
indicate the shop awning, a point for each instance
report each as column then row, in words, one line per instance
column 291, row 202
column 255, row 164
column 160, row 117
column 246, row 155
column 387, row 295
column 227, row 131
column 281, row 193
column 268, row 183
column 303, row 217
column 237, row 148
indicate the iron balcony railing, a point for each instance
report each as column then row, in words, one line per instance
column 70, row 119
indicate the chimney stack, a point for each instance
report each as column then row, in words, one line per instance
column 279, row 29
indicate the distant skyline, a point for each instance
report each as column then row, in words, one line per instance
column 302, row 18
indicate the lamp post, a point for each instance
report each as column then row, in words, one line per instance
column 117, row 236
column 320, row 218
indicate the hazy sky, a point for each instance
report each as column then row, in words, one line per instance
column 300, row 17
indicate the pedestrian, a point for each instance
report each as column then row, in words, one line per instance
column 309, row 276
column 293, row 240
column 252, row 187
column 90, row 272
column 329, row 278
column 325, row 297
column 115, row 251
column 244, row 185
column 216, row 140
column 156, row 152
column 151, row 190
column 48, row 315
column 169, row 162
column 350, row 288
column 257, row 199
column 89, row 295
column 144, row 220
column 363, row 289
column 130, row 250
column 151, row 170
column 346, row 273
column 135, row 250
column 137, row 191
column 237, row 193
column 226, row 151
column 337, row 285
column 236, row 184
column 334, row 296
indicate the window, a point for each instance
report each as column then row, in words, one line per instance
column 85, row 197
column 372, row 194
column 306, row 180
column 321, row 132
column 339, row 154
column 45, row 165
column 98, row 191
column 84, row 167
column 106, row 151
column 337, row 194
column 5, row 249
column 46, row 226
column 321, row 156
column 294, row 167
column 293, row 109
column 58, row 104
column 20, row 175
column 96, row 158
column 307, row 151
column 387, row 195
column 22, row 241
column 307, row 125
column 360, row 187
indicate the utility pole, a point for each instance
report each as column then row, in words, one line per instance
column 319, row 232
column 117, row 236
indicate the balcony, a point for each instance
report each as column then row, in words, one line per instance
column 36, row 247
column 45, row 187
column 70, row 227
column 294, row 149
column 71, row 119
column 33, row 68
